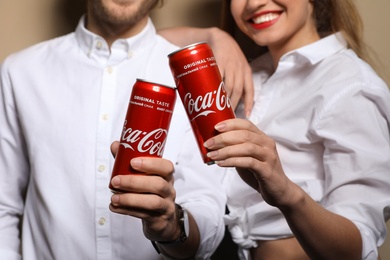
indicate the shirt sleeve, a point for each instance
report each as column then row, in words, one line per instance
column 14, row 173
column 199, row 190
column 355, row 132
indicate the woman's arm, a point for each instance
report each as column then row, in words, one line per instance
column 321, row 233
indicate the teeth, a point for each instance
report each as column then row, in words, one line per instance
column 265, row 18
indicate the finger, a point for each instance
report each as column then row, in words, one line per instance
column 262, row 159
column 239, row 87
column 234, row 131
column 234, row 88
column 232, row 138
column 249, row 92
column 138, row 213
column 114, row 148
column 222, row 72
column 247, row 163
column 228, row 80
column 139, row 205
column 157, row 166
column 139, row 183
column 237, row 124
column 240, row 150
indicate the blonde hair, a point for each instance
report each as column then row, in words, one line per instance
column 333, row 16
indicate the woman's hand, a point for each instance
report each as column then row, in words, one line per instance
column 234, row 68
column 242, row 145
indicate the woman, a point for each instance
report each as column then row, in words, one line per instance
column 313, row 159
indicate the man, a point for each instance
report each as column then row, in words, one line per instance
column 63, row 103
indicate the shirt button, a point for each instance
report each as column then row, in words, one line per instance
column 130, row 54
column 99, row 45
column 110, row 70
column 105, row 117
column 102, row 221
column 102, row 168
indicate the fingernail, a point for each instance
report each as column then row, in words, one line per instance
column 220, row 126
column 219, row 162
column 116, row 181
column 247, row 114
column 136, row 162
column 209, row 143
column 212, row 154
column 115, row 199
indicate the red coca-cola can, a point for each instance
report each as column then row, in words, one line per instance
column 201, row 91
column 146, row 125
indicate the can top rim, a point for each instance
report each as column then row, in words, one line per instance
column 151, row 82
column 187, row 47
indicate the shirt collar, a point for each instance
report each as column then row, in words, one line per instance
column 319, row 50
column 94, row 45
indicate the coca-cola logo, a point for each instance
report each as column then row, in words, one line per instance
column 203, row 105
column 152, row 142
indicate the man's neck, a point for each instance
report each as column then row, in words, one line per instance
column 111, row 32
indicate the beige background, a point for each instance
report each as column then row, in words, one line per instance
column 25, row 22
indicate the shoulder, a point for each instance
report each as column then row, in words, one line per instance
column 346, row 70
column 157, row 60
column 37, row 54
column 164, row 47
column 348, row 84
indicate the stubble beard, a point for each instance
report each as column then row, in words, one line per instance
column 122, row 17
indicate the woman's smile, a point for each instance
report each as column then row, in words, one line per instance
column 264, row 20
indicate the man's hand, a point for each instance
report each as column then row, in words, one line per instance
column 149, row 196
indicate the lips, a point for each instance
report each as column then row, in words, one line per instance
column 264, row 20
